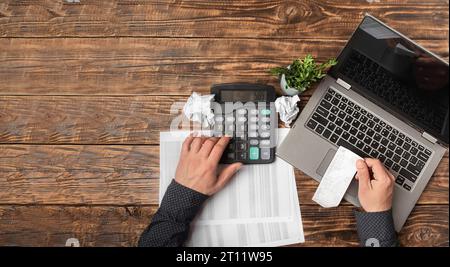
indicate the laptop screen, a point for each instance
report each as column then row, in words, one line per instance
column 397, row 75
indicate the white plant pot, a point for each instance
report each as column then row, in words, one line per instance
column 286, row 89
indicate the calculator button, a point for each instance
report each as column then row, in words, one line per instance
column 231, row 146
column 231, row 156
column 241, row 136
column 252, row 134
column 230, row 128
column 265, row 112
column 241, row 155
column 241, row 111
column 253, row 119
column 265, row 134
column 241, row 146
column 241, row 128
column 242, row 119
column 265, row 153
column 253, row 127
column 253, row 112
column 218, row 127
column 219, row 118
column 254, row 153
column 264, row 127
column 265, row 119
column 254, row 142
column 264, row 143
column 230, row 119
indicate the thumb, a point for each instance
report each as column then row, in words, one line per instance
column 226, row 174
column 363, row 175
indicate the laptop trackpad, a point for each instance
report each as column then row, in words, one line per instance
column 325, row 162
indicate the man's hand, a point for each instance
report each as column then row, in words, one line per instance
column 376, row 185
column 198, row 165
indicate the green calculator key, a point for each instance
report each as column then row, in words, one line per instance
column 254, row 153
column 265, row 112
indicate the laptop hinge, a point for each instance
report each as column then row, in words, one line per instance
column 343, row 83
column 429, row 137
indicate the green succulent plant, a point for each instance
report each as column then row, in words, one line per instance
column 303, row 72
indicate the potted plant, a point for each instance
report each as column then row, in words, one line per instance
column 297, row 77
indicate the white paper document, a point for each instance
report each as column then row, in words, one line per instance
column 259, row 207
column 337, row 178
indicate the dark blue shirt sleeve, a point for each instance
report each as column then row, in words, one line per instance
column 170, row 224
column 376, row 229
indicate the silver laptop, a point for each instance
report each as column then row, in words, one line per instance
column 387, row 98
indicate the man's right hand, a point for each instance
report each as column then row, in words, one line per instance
column 376, row 185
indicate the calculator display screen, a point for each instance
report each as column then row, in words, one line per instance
column 243, row 96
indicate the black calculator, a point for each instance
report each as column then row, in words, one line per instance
column 246, row 112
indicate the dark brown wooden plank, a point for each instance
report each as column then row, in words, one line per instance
column 116, row 175
column 150, row 66
column 250, row 19
column 90, row 119
column 89, row 174
column 121, row 226
column 85, row 119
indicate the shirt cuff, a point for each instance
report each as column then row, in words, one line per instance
column 182, row 203
column 376, row 229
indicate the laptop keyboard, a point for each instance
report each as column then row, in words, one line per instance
column 344, row 123
column 377, row 80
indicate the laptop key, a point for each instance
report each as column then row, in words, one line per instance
column 407, row 187
column 319, row 129
column 414, row 169
column 334, row 138
column 360, row 144
column 399, row 150
column 322, row 111
column 408, row 175
column 396, row 167
column 367, row 149
column 427, row 152
column 396, row 158
column 384, row 142
column 403, row 163
column 326, row 133
column 320, row 119
column 345, row 135
column 325, row 104
column 374, row 154
column 400, row 180
column 413, row 160
column 389, row 163
column 422, row 156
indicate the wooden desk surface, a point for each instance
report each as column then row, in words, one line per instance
column 85, row 89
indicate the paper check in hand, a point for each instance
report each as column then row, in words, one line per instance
column 337, row 178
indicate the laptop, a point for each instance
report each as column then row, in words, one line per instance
column 387, row 98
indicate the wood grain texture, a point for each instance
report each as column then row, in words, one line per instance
column 244, row 19
column 92, row 119
column 150, row 66
column 121, row 226
column 116, row 175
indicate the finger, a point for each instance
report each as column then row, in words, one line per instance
column 226, row 175
column 208, row 145
column 197, row 144
column 378, row 169
column 363, row 175
column 219, row 147
column 187, row 144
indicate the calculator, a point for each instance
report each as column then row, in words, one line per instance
column 246, row 113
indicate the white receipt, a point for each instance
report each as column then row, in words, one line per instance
column 337, row 178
